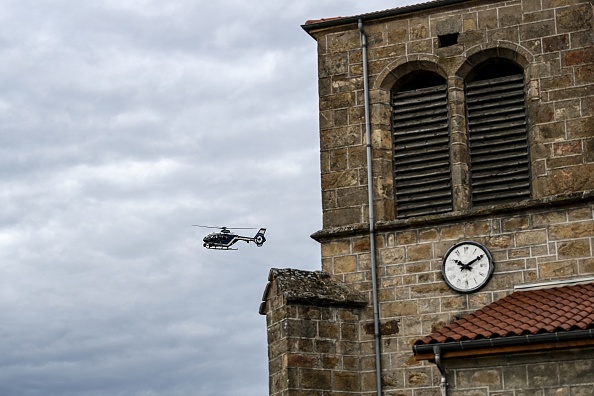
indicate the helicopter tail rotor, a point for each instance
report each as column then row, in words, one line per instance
column 259, row 239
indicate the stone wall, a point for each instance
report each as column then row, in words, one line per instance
column 313, row 335
column 562, row 373
column 551, row 39
column 532, row 245
column 329, row 350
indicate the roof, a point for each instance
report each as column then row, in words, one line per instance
column 522, row 313
column 311, row 288
column 337, row 21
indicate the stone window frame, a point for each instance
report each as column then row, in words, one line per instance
column 455, row 78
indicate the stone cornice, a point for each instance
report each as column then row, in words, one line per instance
column 533, row 204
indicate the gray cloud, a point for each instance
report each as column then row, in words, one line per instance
column 122, row 123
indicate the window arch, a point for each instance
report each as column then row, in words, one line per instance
column 421, row 145
column 497, row 133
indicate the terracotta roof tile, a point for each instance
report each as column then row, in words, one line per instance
column 557, row 309
column 405, row 8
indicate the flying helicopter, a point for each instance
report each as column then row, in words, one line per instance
column 224, row 239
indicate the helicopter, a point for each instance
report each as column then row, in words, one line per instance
column 224, row 239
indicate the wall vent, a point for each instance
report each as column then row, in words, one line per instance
column 447, row 40
column 498, row 141
column 421, row 152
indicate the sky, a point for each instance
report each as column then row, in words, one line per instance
column 122, row 124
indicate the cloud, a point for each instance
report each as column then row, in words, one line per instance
column 124, row 123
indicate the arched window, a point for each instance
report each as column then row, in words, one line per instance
column 497, row 133
column 421, row 145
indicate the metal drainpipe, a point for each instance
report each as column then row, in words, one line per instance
column 444, row 381
column 376, row 323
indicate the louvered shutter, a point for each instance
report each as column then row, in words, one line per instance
column 421, row 152
column 498, row 141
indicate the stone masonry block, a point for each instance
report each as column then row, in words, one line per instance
column 571, row 19
column 479, row 377
column 476, row 228
column 301, row 360
column 487, row 19
column 555, row 43
column 399, row 308
column 584, row 74
column 573, row 249
column 342, row 217
column 333, row 64
column 419, row 28
column 325, row 346
column 335, row 248
column 580, row 214
column 428, row 290
column 510, row 16
column 340, row 137
column 572, row 230
column 512, row 34
column 578, row 57
column 345, row 381
column 448, row 26
column 345, row 264
column 392, row 255
column 316, row 379
column 537, row 30
column 516, row 223
column 329, row 330
column 576, row 372
column 581, row 39
column 528, row 238
column 570, row 179
column 351, row 196
column 541, row 375
column 343, row 42
column 557, row 269
column 420, row 252
column 455, row 231
column 567, row 110
column 299, row 328
column 581, row 128
column 418, row 377
column 500, row 242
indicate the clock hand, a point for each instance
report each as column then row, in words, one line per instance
column 480, row 256
column 460, row 263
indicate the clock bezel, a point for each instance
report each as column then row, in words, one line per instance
column 483, row 283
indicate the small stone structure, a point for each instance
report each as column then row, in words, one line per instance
column 313, row 332
column 542, row 232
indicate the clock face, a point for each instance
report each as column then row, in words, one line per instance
column 467, row 267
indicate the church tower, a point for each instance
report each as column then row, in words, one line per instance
column 457, row 174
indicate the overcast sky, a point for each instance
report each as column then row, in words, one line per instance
column 124, row 122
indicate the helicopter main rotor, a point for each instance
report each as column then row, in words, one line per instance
column 225, row 228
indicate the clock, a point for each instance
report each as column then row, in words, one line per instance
column 467, row 266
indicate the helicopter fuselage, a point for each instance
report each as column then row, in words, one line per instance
column 225, row 239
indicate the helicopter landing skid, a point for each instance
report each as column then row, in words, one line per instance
column 218, row 247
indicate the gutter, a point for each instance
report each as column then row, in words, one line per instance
column 500, row 342
column 372, row 252
column 326, row 23
column 437, row 349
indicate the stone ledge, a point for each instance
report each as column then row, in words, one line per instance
column 315, row 288
column 443, row 218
